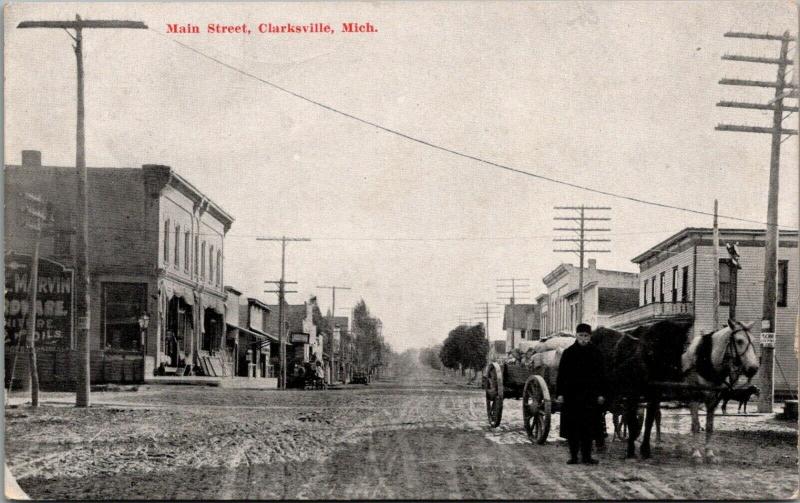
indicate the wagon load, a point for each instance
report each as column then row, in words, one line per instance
column 559, row 342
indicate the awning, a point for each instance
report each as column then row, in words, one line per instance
column 213, row 303
column 170, row 289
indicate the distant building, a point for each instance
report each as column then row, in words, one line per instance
column 676, row 282
column 497, row 351
column 520, row 322
column 605, row 292
column 342, row 357
column 156, row 246
column 301, row 332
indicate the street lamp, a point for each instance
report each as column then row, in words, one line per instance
column 144, row 321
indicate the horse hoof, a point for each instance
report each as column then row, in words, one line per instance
column 712, row 458
column 697, row 457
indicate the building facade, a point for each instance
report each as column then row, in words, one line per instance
column 521, row 322
column 605, row 292
column 156, row 247
column 676, row 282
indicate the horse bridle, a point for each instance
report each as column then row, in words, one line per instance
column 732, row 353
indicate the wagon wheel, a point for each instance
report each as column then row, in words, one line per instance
column 536, row 409
column 494, row 394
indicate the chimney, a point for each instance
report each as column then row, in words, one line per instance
column 31, row 159
column 592, row 263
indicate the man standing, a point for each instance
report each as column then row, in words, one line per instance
column 580, row 390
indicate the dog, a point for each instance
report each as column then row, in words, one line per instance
column 742, row 395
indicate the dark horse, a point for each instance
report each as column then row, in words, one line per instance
column 633, row 361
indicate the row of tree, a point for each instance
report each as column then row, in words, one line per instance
column 371, row 350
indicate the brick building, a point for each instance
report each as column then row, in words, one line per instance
column 156, row 246
column 676, row 282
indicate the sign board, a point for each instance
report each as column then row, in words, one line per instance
column 54, row 307
column 764, row 324
column 768, row 339
column 300, row 338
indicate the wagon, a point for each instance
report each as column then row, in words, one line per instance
column 532, row 384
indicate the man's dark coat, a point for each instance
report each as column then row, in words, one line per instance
column 580, row 381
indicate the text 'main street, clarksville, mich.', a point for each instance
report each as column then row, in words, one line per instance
column 244, row 28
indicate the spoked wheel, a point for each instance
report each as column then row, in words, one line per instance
column 536, row 409
column 494, row 394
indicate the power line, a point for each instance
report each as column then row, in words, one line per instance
column 449, row 150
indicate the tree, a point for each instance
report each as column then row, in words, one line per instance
column 371, row 351
column 465, row 348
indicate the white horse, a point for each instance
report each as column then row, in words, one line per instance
column 712, row 360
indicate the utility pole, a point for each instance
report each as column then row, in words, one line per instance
column 281, row 292
column 776, row 105
column 82, row 285
column 332, row 327
column 487, row 313
column 715, row 244
column 582, row 231
column 513, row 283
column 35, row 218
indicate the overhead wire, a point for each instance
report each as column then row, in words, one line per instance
column 450, row 150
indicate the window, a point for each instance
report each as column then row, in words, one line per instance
column 661, row 286
column 675, row 284
column 211, row 264
column 166, row 241
column 219, row 267
column 783, row 280
column 187, row 245
column 203, row 259
column 685, row 284
column 196, row 253
column 653, row 289
column 725, row 282
column 177, row 245
column 644, row 285
column 123, row 303
column 62, row 244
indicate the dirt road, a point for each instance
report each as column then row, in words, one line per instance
column 417, row 439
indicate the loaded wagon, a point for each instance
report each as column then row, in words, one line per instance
column 531, row 378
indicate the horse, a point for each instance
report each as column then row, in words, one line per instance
column 633, row 361
column 712, row 360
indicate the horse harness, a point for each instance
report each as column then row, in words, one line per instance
column 705, row 368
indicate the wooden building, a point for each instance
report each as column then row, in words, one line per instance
column 676, row 282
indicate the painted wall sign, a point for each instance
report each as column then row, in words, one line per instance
column 54, row 306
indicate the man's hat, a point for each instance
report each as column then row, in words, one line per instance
column 583, row 327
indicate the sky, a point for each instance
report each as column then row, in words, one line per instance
column 615, row 96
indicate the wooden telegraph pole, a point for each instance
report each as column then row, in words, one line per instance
column 776, row 105
column 488, row 312
column 582, row 231
column 517, row 285
column 281, row 293
column 82, row 285
column 715, row 291
column 35, row 219
column 333, row 314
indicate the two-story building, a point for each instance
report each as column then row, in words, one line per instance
column 676, row 282
column 341, row 358
column 156, row 247
column 521, row 322
column 605, row 292
column 301, row 333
